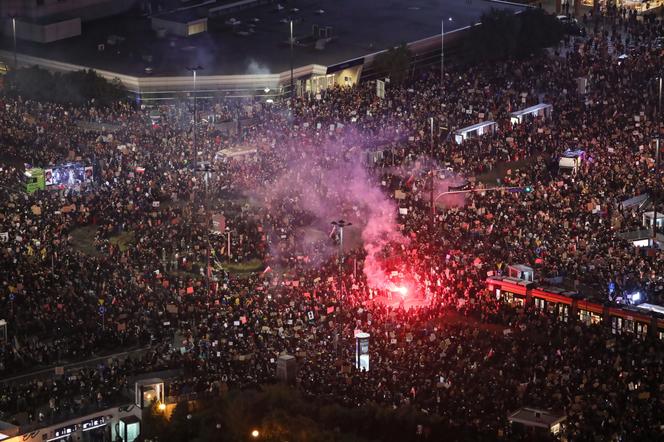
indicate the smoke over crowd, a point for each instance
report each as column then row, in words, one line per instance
column 322, row 183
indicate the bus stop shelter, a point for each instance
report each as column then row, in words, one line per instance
column 535, row 420
column 539, row 110
column 476, row 130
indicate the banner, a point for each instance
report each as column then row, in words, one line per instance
column 380, row 88
column 48, row 177
column 218, row 223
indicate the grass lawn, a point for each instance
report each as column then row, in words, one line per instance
column 255, row 265
column 83, row 240
column 123, row 240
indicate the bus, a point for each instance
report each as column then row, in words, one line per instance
column 34, row 180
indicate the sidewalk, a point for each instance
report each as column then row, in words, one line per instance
column 49, row 372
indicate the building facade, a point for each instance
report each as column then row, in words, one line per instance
column 39, row 10
column 46, row 21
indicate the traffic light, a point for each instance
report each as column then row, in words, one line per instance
column 525, row 189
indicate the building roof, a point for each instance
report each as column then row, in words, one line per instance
column 257, row 42
column 531, row 109
column 476, row 126
column 534, row 417
column 651, row 308
column 184, row 16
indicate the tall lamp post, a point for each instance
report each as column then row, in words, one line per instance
column 657, row 126
column 442, row 50
column 14, row 33
column 195, row 69
column 292, row 91
column 432, row 172
column 340, row 225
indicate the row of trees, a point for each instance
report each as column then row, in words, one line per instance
column 505, row 35
column 76, row 88
column 502, row 35
column 280, row 413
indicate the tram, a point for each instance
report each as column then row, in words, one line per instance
column 640, row 321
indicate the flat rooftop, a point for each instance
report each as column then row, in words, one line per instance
column 259, row 43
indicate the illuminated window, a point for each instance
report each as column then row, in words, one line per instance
column 555, row 429
column 629, row 326
column 616, row 326
column 563, row 312
column 587, row 317
column 196, row 28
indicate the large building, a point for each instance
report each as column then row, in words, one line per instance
column 84, row 9
column 46, row 21
column 244, row 46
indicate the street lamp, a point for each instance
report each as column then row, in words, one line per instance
column 291, row 57
column 657, row 126
column 340, row 225
column 14, row 33
column 432, row 172
column 442, row 50
column 194, row 69
column 526, row 189
column 189, row 426
column 255, row 434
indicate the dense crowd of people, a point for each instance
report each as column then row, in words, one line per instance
column 71, row 289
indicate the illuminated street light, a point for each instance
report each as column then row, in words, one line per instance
column 255, row 434
column 340, row 225
column 14, row 33
column 291, row 59
column 442, row 50
column 162, row 406
column 193, row 70
column 657, row 119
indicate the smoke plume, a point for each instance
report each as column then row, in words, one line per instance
column 322, row 182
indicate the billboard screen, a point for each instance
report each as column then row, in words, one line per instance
column 69, row 174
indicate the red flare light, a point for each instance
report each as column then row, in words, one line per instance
column 403, row 291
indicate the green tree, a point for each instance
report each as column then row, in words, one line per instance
column 505, row 35
column 181, row 427
column 281, row 413
column 75, row 88
column 395, row 62
column 154, row 423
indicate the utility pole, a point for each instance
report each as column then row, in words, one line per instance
column 340, row 225
column 655, row 185
column 14, row 33
column 292, row 89
column 526, row 189
column 208, row 222
column 194, row 69
column 655, row 190
column 432, row 172
column 442, row 50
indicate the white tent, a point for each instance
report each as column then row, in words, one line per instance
column 538, row 110
column 475, row 130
